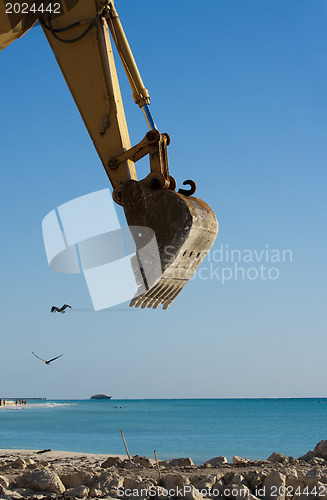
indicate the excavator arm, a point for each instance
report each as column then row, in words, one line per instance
column 185, row 227
column 88, row 67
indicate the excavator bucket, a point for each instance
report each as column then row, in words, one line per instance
column 185, row 229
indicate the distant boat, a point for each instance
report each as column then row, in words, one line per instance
column 100, row 396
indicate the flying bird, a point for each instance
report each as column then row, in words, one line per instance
column 61, row 309
column 47, row 362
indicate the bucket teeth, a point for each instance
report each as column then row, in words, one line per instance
column 162, row 294
column 184, row 230
column 172, row 297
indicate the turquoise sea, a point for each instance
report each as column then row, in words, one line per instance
column 196, row 428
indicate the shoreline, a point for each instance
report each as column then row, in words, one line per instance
column 44, row 474
column 56, row 454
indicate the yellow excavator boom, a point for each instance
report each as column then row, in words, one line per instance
column 80, row 33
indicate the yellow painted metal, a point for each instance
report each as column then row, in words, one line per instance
column 140, row 93
column 14, row 26
column 89, row 69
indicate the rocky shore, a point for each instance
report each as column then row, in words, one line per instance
column 47, row 474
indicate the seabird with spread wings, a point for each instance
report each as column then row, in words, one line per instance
column 47, row 362
column 60, row 309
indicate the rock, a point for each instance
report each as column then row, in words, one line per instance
column 79, row 492
column 27, row 492
column 77, row 478
column 43, row 463
column 6, row 467
column 251, row 497
column 308, row 456
column 203, row 481
column 97, row 469
column 18, row 464
column 294, row 483
column 250, row 475
column 109, row 484
column 192, row 493
column 4, row 481
column 321, row 449
column 277, row 458
column 171, row 481
column 32, row 466
column 3, row 490
column 111, row 462
column 29, row 461
column 41, row 480
column 127, row 464
column 137, row 487
column 161, row 493
column 238, row 479
column 216, row 490
column 240, row 460
column 317, row 461
column 216, row 461
column 258, row 480
column 274, row 486
column 144, row 461
column 38, row 497
column 238, row 492
column 321, row 491
column 95, row 492
column 6, row 494
column 132, row 483
column 177, row 462
column 228, row 477
column 312, row 477
column 179, row 486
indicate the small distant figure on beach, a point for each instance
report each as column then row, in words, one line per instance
column 47, row 362
column 60, row 309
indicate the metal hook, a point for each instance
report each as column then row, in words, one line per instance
column 188, row 192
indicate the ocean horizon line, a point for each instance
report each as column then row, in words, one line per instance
column 173, row 399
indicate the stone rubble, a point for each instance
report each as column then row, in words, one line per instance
column 276, row 478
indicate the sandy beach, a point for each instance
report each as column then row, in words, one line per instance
column 41, row 474
column 5, row 403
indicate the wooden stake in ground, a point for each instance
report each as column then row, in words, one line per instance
column 155, row 456
column 122, row 435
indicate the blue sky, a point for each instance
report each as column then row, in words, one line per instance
column 241, row 89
